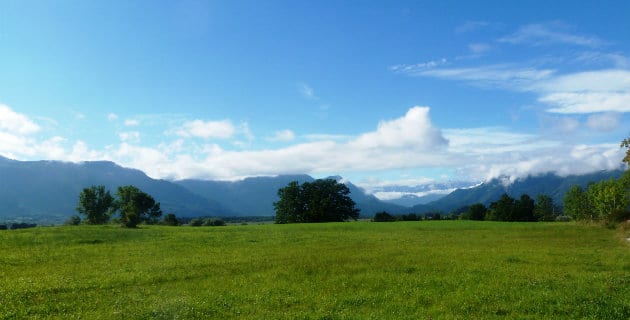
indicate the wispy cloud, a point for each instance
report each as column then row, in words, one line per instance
column 307, row 91
column 282, row 136
column 493, row 76
column 470, row 26
column 604, row 122
column 550, row 34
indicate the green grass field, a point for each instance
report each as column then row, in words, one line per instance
column 360, row 270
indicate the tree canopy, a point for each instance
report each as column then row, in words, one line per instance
column 323, row 200
column 95, row 203
column 136, row 206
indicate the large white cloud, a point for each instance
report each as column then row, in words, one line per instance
column 16, row 123
column 407, row 142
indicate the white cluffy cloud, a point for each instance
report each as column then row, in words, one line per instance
column 410, row 141
column 16, row 123
column 207, row 129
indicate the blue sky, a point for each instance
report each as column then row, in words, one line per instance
column 380, row 92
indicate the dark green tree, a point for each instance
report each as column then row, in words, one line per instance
column 545, row 210
column 96, row 204
column 502, row 209
column 523, row 209
column 477, row 211
column 136, row 206
column 383, row 216
column 291, row 207
column 323, row 200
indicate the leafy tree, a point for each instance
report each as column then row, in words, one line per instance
column 607, row 198
column 626, row 144
column 95, row 203
column 502, row 209
column 577, row 204
column 477, row 211
column 136, row 206
column 170, row 220
column 291, row 207
column 545, row 210
column 523, row 209
column 322, row 200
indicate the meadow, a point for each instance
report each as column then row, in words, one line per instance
column 356, row 270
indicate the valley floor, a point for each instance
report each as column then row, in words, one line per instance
column 358, row 270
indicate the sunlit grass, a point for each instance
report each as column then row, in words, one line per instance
column 404, row 270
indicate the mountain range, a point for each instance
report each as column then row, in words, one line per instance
column 48, row 191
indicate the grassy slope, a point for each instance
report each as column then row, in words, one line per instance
column 412, row 270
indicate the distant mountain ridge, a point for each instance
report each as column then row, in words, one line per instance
column 48, row 191
column 549, row 184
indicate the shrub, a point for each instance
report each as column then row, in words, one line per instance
column 73, row 221
column 196, row 222
column 214, row 222
column 170, row 220
column 383, row 217
column 563, row 218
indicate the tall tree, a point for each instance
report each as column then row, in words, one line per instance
column 322, row 200
column 477, row 211
column 626, row 144
column 607, row 198
column 136, row 206
column 545, row 210
column 523, row 209
column 577, row 204
column 502, row 209
column 95, row 203
column 290, row 207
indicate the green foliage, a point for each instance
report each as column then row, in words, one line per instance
column 196, row 222
column 477, row 211
column 73, row 221
column 213, row 222
column 323, row 200
column 577, row 204
column 170, row 220
column 95, row 203
column 136, row 206
column 502, row 209
column 545, row 210
column 384, row 217
column 405, row 270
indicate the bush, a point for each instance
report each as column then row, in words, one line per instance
column 170, row 220
column 196, row 222
column 73, row 221
column 215, row 222
column 619, row 216
column 563, row 218
column 383, row 217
